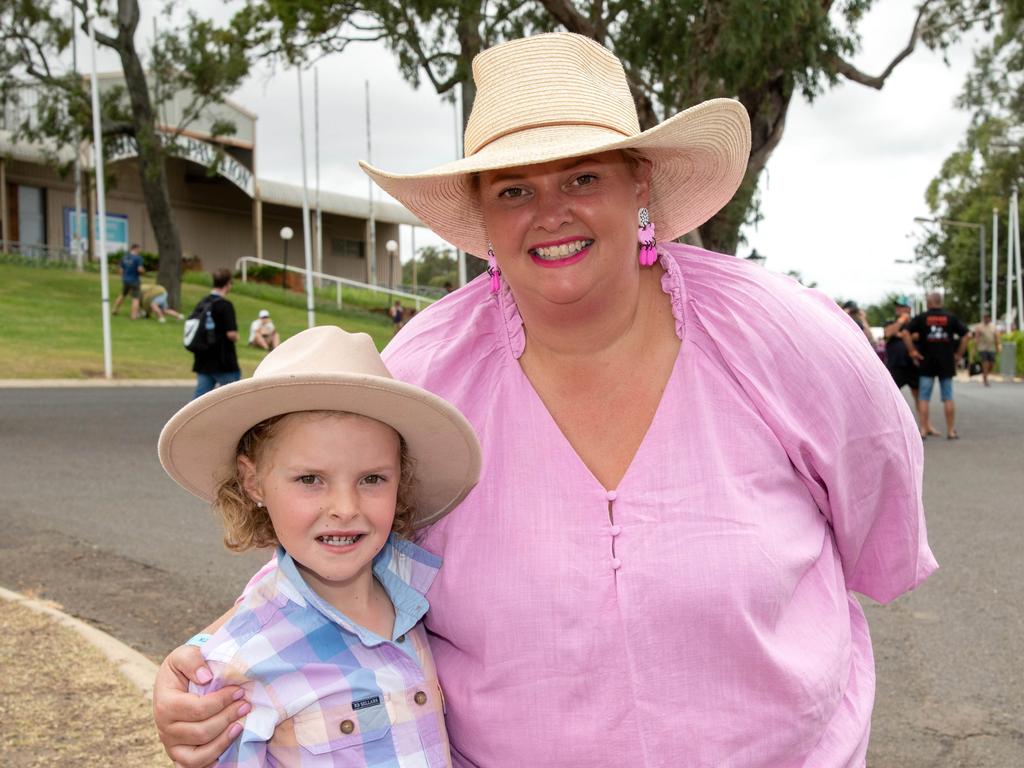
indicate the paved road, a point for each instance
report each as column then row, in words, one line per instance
column 89, row 519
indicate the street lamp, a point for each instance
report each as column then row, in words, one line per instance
column 286, row 235
column 981, row 250
column 392, row 248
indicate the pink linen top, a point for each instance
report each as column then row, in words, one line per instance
column 699, row 613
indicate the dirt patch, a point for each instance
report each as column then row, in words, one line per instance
column 62, row 703
column 147, row 608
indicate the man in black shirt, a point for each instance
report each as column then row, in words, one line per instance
column 219, row 364
column 938, row 343
column 897, row 356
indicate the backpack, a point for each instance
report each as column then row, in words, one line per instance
column 199, row 333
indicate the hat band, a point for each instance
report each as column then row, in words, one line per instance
column 531, row 126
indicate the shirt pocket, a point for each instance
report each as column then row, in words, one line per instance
column 334, row 727
column 418, row 715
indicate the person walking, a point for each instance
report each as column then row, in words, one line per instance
column 987, row 345
column 397, row 315
column 218, row 364
column 897, row 354
column 131, row 279
column 861, row 319
column 937, row 341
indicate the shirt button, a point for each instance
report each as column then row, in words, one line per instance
column 420, row 698
column 347, row 726
column 611, row 495
column 616, row 530
column 616, row 563
column 400, row 639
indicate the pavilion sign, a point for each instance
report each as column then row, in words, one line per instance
column 188, row 148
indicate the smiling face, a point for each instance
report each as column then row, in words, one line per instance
column 565, row 229
column 330, row 485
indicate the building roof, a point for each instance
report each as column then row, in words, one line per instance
column 280, row 193
column 270, row 191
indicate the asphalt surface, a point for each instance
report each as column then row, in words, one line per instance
column 88, row 519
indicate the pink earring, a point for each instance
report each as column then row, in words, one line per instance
column 645, row 235
column 493, row 269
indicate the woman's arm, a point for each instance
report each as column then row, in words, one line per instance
column 195, row 730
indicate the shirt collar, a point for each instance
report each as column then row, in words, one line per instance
column 404, row 569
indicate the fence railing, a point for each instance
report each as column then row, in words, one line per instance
column 242, row 265
column 43, row 254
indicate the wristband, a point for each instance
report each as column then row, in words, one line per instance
column 198, row 640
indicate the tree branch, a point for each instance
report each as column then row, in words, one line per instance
column 565, row 13
column 850, row 72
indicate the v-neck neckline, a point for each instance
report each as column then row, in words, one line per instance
column 671, row 287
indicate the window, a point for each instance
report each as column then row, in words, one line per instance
column 352, row 249
column 31, row 216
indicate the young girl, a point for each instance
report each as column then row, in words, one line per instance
column 315, row 453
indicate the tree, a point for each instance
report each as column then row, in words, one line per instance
column 884, row 310
column 799, row 277
column 675, row 54
column 978, row 176
column 199, row 60
column 436, row 266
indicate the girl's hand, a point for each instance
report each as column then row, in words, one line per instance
column 194, row 730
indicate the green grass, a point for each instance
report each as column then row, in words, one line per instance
column 53, row 327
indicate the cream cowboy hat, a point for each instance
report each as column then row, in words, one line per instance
column 325, row 368
column 563, row 95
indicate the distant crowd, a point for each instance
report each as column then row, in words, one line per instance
column 932, row 345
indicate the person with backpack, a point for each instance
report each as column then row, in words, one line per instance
column 212, row 339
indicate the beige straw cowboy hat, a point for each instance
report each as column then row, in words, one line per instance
column 325, row 368
column 563, row 95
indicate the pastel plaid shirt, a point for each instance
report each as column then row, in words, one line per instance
column 324, row 690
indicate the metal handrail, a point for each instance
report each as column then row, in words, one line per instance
column 242, row 264
column 40, row 252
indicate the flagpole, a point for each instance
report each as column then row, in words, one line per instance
column 371, row 235
column 995, row 265
column 306, row 239
column 76, row 231
column 101, row 204
column 316, row 151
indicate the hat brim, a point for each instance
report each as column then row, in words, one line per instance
column 198, row 445
column 699, row 158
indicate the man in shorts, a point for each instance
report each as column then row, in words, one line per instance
column 131, row 279
column 897, row 357
column 937, row 343
column 986, row 344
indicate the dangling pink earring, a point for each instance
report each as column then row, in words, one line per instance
column 493, row 269
column 648, row 254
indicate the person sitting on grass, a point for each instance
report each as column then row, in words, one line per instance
column 263, row 333
column 315, row 454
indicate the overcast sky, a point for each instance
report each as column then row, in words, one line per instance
column 838, row 197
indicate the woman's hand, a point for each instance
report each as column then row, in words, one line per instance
column 194, row 730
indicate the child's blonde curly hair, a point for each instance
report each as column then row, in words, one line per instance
column 247, row 526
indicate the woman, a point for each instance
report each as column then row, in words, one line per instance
column 688, row 461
